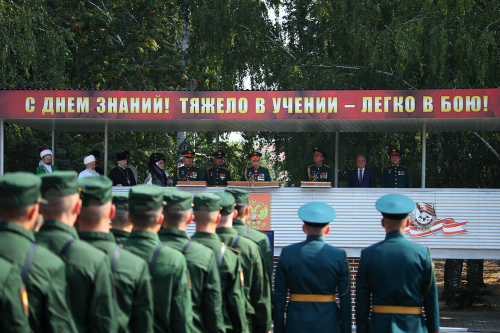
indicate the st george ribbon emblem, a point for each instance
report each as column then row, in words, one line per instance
column 424, row 221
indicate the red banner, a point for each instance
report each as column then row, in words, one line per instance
column 251, row 105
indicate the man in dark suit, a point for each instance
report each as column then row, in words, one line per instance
column 361, row 176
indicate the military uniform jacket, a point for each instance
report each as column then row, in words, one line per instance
column 232, row 281
column 134, row 294
column 13, row 299
column 323, row 173
column 172, row 299
column 217, row 176
column 259, row 174
column 120, row 235
column 265, row 249
column 396, row 176
column 396, row 272
column 45, row 283
column 184, row 173
column 205, row 280
column 88, row 275
column 256, row 287
column 41, row 169
column 313, row 267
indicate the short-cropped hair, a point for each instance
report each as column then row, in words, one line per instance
column 145, row 218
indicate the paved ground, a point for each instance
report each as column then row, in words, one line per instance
column 473, row 322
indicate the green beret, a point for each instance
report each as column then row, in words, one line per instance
column 226, row 202
column 177, row 200
column 240, row 196
column 20, row 189
column 206, row 201
column 95, row 191
column 145, row 197
column 59, row 184
column 120, row 200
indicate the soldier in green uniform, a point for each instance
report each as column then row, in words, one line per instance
column 398, row 276
column 167, row 267
column 134, row 295
column 241, row 198
column 255, row 172
column 87, row 268
column 395, row 175
column 319, row 172
column 13, row 298
column 43, row 271
column 256, row 287
column 218, row 176
column 201, row 262
column 187, row 172
column 228, row 262
column 313, row 272
column 120, row 225
column 46, row 165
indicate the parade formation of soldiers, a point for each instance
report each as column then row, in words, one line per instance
column 124, row 262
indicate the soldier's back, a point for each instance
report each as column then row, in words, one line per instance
column 168, row 270
column 45, row 282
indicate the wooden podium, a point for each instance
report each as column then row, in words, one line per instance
column 197, row 183
column 245, row 183
column 315, row 184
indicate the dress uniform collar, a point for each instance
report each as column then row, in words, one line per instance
column 315, row 238
column 395, row 234
column 174, row 232
column 96, row 235
column 238, row 222
column 56, row 224
column 206, row 235
column 13, row 227
column 144, row 234
column 226, row 230
column 119, row 232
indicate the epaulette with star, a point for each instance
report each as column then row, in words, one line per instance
column 311, row 165
column 327, row 165
column 263, row 167
column 225, row 168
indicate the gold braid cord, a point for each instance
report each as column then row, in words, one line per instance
column 246, row 177
column 182, row 179
column 311, row 178
column 210, row 182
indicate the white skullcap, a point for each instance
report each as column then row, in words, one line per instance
column 88, row 159
column 45, row 152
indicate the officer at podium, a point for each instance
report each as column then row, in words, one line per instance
column 217, row 175
column 187, row 172
column 255, row 172
column 319, row 172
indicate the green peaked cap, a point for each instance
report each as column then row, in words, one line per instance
column 20, row 189
column 145, row 197
column 240, row 196
column 59, row 184
column 177, row 200
column 120, row 200
column 226, row 203
column 206, row 201
column 95, row 191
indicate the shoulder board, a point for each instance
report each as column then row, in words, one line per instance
column 10, row 259
column 327, row 165
column 210, row 168
column 132, row 251
column 194, row 166
column 403, row 166
column 234, row 250
column 263, row 167
column 388, row 166
column 225, row 168
column 248, row 167
column 311, row 166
